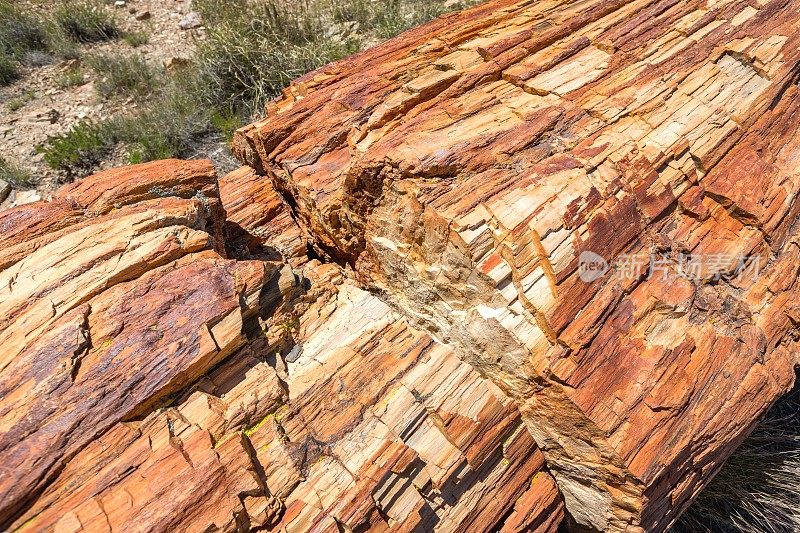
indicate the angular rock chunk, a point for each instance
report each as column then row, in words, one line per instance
column 372, row 425
column 258, row 222
column 152, row 384
column 111, row 309
column 467, row 169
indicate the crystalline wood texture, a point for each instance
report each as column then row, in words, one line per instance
column 463, row 167
column 159, row 374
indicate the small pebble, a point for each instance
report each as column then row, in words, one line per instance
column 190, row 21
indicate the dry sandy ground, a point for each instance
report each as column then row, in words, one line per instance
column 50, row 110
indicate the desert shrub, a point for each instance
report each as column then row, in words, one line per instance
column 16, row 176
column 58, row 42
column 226, row 122
column 389, row 17
column 80, row 149
column 168, row 127
column 121, row 75
column 252, row 50
column 136, row 39
column 18, row 102
column 36, row 58
column 8, row 70
column 70, row 78
column 20, row 30
column 86, row 21
column 757, row 488
column 19, row 34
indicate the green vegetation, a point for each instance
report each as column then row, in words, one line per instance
column 15, row 176
column 136, row 39
column 226, row 123
column 59, row 43
column 8, row 70
column 122, row 76
column 19, row 102
column 19, row 34
column 168, row 127
column 756, row 489
column 252, row 50
column 71, row 78
column 86, row 21
column 33, row 40
column 79, row 150
column 389, row 17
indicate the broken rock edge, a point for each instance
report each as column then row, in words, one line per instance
column 576, row 479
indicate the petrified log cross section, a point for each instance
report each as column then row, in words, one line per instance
column 464, row 167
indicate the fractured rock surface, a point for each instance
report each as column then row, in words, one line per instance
column 388, row 319
column 155, row 381
column 463, row 168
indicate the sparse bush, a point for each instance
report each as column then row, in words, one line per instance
column 389, row 17
column 58, row 42
column 19, row 34
column 226, row 123
column 16, row 176
column 36, row 58
column 251, row 51
column 86, row 21
column 168, row 127
column 136, row 39
column 120, row 75
column 71, row 78
column 15, row 104
column 20, row 101
column 8, row 70
column 79, row 150
column 757, row 488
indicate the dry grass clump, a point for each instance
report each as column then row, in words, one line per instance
column 758, row 488
column 86, row 21
column 252, row 49
column 15, row 176
column 120, row 75
column 33, row 40
column 19, row 35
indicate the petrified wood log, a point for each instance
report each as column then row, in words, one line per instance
column 473, row 169
column 113, row 298
column 150, row 382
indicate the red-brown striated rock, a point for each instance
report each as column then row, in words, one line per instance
column 259, row 222
column 151, row 384
column 463, row 168
column 175, row 358
column 109, row 310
